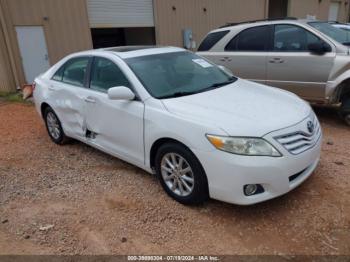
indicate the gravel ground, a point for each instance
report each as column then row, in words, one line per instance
column 74, row 199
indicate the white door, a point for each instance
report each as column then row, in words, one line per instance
column 116, row 126
column 32, row 45
column 333, row 11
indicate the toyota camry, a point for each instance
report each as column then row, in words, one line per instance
column 204, row 132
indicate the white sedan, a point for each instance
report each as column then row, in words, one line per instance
column 202, row 131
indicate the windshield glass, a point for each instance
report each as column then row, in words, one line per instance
column 177, row 74
column 337, row 34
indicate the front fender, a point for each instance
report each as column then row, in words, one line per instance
column 334, row 87
column 160, row 123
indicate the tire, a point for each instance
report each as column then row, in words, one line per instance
column 54, row 127
column 191, row 169
column 345, row 109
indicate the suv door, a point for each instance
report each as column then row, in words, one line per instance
column 67, row 90
column 293, row 67
column 245, row 54
column 113, row 125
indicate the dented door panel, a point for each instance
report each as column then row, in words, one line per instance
column 117, row 126
column 69, row 106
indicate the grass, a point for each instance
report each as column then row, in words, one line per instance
column 12, row 97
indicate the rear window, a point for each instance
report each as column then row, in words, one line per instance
column 251, row 39
column 211, row 40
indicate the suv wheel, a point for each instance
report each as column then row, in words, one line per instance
column 345, row 110
column 54, row 127
column 181, row 174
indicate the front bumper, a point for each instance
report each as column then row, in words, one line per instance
column 228, row 173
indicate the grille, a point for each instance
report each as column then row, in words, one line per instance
column 300, row 141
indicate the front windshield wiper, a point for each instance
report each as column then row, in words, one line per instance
column 187, row 93
column 215, row 85
column 177, row 94
column 346, row 43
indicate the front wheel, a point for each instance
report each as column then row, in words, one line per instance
column 181, row 174
column 345, row 110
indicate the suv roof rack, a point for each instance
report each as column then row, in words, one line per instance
column 261, row 20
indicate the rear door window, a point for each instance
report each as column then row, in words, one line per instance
column 75, row 71
column 211, row 40
column 59, row 74
column 255, row 39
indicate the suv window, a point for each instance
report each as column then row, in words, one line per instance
column 211, row 39
column 75, row 71
column 291, row 38
column 106, row 74
column 251, row 39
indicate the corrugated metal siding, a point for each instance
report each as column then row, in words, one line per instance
column 191, row 14
column 65, row 24
column 6, row 78
column 120, row 13
column 301, row 8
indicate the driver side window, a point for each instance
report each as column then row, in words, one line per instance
column 106, row 74
column 290, row 38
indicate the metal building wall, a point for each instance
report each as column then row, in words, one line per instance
column 302, row 8
column 65, row 24
column 192, row 14
column 6, row 77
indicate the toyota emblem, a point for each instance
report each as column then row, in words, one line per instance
column 310, row 127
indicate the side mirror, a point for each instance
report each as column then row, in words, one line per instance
column 120, row 93
column 319, row 48
column 226, row 70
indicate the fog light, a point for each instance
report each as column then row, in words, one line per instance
column 250, row 189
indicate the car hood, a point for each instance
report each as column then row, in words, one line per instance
column 242, row 108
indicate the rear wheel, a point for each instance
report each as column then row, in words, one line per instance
column 54, row 127
column 181, row 174
column 345, row 109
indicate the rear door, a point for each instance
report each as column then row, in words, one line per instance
column 67, row 91
column 246, row 53
column 113, row 125
column 293, row 67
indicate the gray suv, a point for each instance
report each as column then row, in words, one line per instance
column 308, row 58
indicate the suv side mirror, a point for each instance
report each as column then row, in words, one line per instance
column 319, row 48
column 120, row 93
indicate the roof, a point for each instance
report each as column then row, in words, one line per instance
column 246, row 24
column 261, row 20
column 135, row 51
column 129, row 48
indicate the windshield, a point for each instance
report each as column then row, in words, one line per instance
column 177, row 74
column 337, row 34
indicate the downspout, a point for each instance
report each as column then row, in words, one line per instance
column 267, row 9
column 8, row 45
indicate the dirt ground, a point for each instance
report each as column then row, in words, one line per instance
column 74, row 199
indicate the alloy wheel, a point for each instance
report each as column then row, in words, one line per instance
column 347, row 119
column 177, row 174
column 53, row 125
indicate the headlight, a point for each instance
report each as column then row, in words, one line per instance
column 244, row 146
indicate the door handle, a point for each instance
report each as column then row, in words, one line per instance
column 90, row 100
column 225, row 59
column 276, row 60
column 52, row 88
